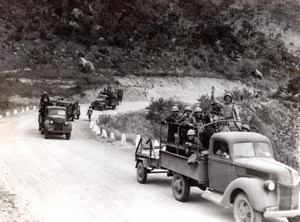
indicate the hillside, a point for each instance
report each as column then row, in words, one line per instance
column 212, row 38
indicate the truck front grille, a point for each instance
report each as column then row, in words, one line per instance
column 288, row 197
column 59, row 126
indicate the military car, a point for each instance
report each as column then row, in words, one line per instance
column 55, row 121
column 243, row 177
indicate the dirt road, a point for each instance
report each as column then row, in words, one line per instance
column 83, row 179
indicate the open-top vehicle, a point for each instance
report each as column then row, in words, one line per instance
column 104, row 101
column 246, row 177
column 54, row 121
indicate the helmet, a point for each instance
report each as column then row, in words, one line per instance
column 228, row 94
column 188, row 108
column 45, row 92
column 175, row 109
column 197, row 110
column 191, row 132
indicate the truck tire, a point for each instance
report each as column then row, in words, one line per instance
column 114, row 107
column 243, row 211
column 180, row 187
column 141, row 173
column 46, row 135
column 68, row 136
column 294, row 219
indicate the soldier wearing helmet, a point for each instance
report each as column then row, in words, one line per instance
column 172, row 121
column 185, row 123
column 197, row 119
column 192, row 143
column 230, row 111
column 174, row 116
column 186, row 115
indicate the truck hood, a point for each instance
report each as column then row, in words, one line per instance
column 268, row 169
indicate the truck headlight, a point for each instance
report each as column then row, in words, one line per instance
column 269, row 185
column 51, row 122
column 66, row 123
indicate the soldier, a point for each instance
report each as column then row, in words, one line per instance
column 89, row 113
column 192, row 143
column 230, row 111
column 185, row 124
column 172, row 121
column 197, row 121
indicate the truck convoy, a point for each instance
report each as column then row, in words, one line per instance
column 244, row 175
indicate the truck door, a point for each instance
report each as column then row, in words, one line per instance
column 220, row 167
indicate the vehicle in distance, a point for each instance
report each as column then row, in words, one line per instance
column 104, row 102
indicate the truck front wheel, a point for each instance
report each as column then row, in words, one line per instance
column 46, row 135
column 180, row 187
column 243, row 211
column 68, row 136
column 141, row 173
column 294, row 219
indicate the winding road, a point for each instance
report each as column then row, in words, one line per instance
column 84, row 179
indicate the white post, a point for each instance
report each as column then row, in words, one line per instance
column 27, row 108
column 112, row 137
column 15, row 111
column 123, row 139
column 1, row 116
column 34, row 108
column 104, row 133
column 95, row 128
column 92, row 123
column 137, row 140
column 23, row 111
column 98, row 132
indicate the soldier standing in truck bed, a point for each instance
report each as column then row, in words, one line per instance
column 172, row 121
column 230, row 110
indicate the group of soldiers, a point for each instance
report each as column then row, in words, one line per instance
column 112, row 93
column 188, row 128
column 72, row 108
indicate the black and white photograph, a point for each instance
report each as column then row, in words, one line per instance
column 149, row 110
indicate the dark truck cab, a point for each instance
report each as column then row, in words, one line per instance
column 246, row 177
column 55, row 121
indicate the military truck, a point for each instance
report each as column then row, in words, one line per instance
column 104, row 101
column 72, row 108
column 245, row 178
column 54, row 121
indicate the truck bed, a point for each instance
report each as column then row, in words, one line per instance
column 178, row 164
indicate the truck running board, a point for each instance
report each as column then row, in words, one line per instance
column 213, row 197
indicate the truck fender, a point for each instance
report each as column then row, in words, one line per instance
column 143, row 160
column 46, row 124
column 258, row 196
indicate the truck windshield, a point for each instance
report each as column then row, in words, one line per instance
column 252, row 149
column 57, row 112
